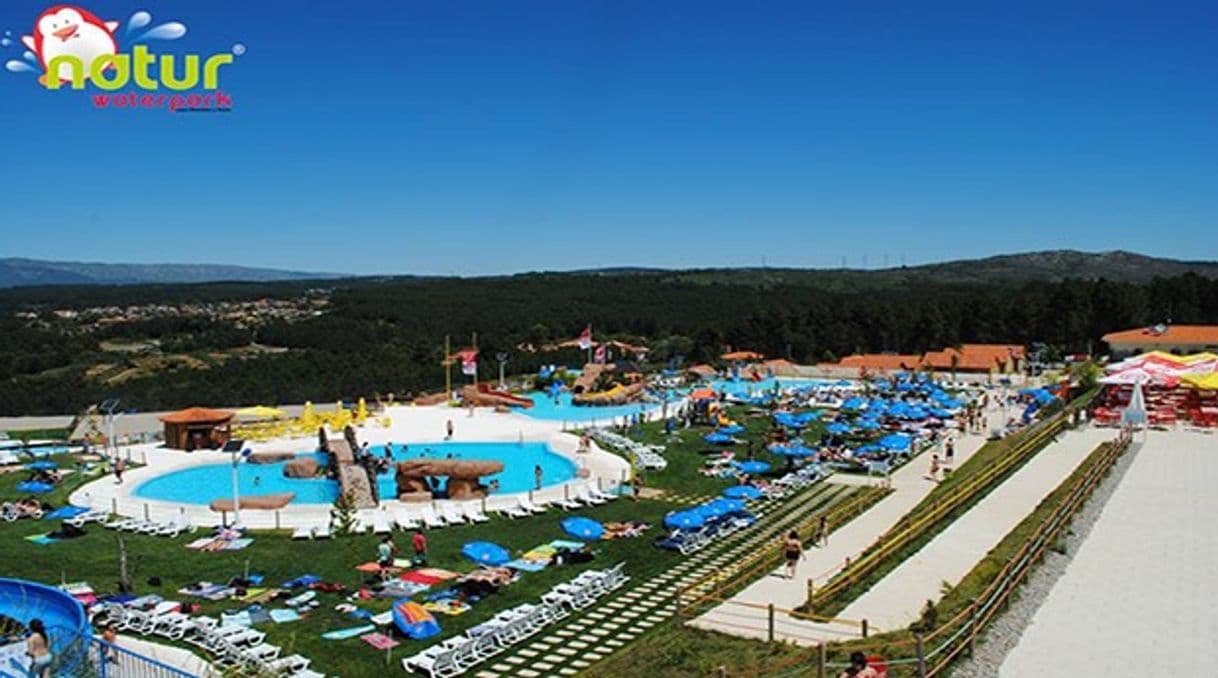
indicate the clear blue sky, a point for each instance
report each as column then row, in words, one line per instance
column 478, row 137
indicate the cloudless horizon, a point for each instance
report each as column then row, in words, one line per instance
column 488, row 137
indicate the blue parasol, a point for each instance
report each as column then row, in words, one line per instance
column 684, row 520
column 742, row 492
column 45, row 465
column 585, row 528
column 485, row 553
column 716, row 438
column 752, row 466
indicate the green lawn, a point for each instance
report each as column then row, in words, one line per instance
column 94, row 558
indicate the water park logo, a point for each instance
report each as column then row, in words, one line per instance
column 72, row 48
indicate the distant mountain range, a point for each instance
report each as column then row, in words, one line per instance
column 16, row 272
column 1008, row 268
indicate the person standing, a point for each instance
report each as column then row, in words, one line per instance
column 537, row 476
column 949, row 452
column 120, row 465
column 792, row 552
column 934, row 468
column 38, row 648
column 419, row 543
column 449, row 428
column 384, row 555
column 636, row 485
column 822, row 532
column 110, row 635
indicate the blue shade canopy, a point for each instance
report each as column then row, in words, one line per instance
column 742, row 492
column 585, row 528
column 896, row 441
column 726, row 506
column 730, row 429
column 44, row 465
column 485, row 553
column 791, row 450
column 716, row 438
column 838, row 428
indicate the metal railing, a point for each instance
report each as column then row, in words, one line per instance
column 76, row 655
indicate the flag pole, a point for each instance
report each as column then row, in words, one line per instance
column 475, row 347
column 448, row 371
column 589, row 361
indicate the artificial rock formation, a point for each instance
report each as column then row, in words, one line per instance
column 462, row 477
column 305, row 467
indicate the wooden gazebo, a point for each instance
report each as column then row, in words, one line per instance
column 196, row 428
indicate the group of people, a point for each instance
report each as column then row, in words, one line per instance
column 387, row 551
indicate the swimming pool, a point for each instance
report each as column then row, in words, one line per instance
column 545, row 408
column 202, row 484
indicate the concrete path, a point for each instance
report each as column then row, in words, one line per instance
column 897, row 600
column 910, row 486
column 1137, row 597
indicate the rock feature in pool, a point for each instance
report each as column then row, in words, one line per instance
column 303, row 467
column 262, row 501
column 463, row 478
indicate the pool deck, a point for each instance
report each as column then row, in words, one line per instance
column 410, row 424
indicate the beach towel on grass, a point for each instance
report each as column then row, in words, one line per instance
column 403, row 589
column 284, row 616
column 380, row 641
column 302, row 580
column 368, row 567
column 343, row 634
column 563, row 544
column 42, row 539
column 442, row 575
column 450, row 607
column 264, row 596
column 527, row 565
column 238, row 544
column 200, row 543
column 417, row 577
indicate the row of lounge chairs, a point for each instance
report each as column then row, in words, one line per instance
column 445, row 514
column 461, row 653
column 168, row 528
column 235, row 647
column 644, row 456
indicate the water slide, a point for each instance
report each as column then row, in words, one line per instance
column 485, row 396
column 587, row 377
column 63, row 616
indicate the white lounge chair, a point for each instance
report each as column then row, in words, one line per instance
column 405, row 520
column 474, row 513
column 430, row 519
column 451, row 514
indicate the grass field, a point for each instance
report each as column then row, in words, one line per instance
column 95, row 556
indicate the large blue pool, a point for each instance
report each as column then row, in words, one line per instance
column 201, row 484
column 544, row 407
column 747, row 387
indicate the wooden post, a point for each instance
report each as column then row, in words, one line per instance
column 822, row 658
column 811, row 586
column 145, row 510
column 770, row 632
column 921, row 656
column 972, row 633
column 864, row 628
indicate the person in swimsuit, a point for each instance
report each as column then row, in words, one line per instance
column 38, row 648
column 792, row 552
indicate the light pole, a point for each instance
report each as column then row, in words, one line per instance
column 108, row 408
column 502, row 357
column 237, row 456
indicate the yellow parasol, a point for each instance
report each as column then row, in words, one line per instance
column 261, row 412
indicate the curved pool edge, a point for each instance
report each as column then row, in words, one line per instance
column 604, row 471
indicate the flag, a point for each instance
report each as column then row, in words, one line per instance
column 469, row 361
column 599, row 356
column 585, row 338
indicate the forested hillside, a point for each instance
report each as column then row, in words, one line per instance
column 386, row 335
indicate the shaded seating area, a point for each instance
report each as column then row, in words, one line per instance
column 196, row 428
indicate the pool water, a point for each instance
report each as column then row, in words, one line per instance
column 545, row 408
column 202, row 484
column 746, row 387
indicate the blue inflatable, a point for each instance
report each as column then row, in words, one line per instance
column 414, row 620
column 33, row 486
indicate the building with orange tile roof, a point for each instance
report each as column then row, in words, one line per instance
column 1167, row 338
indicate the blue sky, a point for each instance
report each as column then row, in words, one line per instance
column 486, row 137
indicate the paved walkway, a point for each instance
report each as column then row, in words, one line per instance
column 1137, row 597
column 910, row 486
column 897, row 600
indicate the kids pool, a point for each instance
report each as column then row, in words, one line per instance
column 202, row 484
